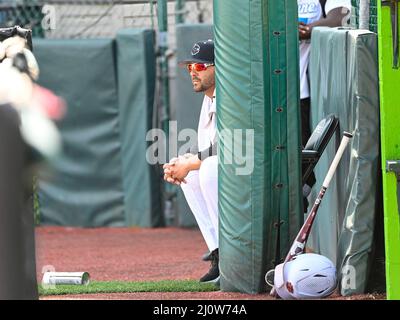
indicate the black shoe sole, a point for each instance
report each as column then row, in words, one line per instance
column 216, row 280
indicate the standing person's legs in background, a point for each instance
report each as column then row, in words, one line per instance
column 305, row 120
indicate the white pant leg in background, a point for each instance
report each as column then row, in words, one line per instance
column 201, row 193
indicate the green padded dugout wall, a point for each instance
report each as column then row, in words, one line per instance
column 109, row 97
column 86, row 187
column 257, row 89
column 187, row 102
column 136, row 81
column 344, row 81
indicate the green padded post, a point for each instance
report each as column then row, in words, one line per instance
column 257, row 93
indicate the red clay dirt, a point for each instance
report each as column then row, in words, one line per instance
column 134, row 254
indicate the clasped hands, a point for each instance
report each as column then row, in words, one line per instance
column 176, row 170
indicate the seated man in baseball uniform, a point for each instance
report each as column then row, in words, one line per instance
column 197, row 173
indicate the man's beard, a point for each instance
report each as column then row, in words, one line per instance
column 201, row 87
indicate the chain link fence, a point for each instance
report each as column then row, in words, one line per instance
column 68, row 19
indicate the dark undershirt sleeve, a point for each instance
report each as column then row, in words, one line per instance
column 212, row 150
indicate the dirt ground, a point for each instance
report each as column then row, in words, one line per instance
column 134, row 254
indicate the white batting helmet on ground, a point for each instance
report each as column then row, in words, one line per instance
column 307, row 276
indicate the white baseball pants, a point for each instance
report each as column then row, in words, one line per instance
column 201, row 193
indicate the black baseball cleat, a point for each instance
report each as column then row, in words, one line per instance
column 212, row 276
column 206, row 256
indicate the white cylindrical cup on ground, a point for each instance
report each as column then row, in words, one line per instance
column 77, row 278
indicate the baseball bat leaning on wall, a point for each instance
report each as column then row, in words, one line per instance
column 301, row 238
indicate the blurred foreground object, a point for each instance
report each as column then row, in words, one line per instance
column 28, row 136
column 26, row 34
column 17, row 245
column 37, row 106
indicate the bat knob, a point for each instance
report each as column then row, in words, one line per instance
column 348, row 134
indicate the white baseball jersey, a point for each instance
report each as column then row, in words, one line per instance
column 207, row 128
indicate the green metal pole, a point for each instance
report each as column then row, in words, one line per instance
column 180, row 5
column 389, row 78
column 162, row 16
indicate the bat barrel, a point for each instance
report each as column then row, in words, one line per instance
column 343, row 144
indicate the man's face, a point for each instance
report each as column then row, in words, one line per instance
column 203, row 80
